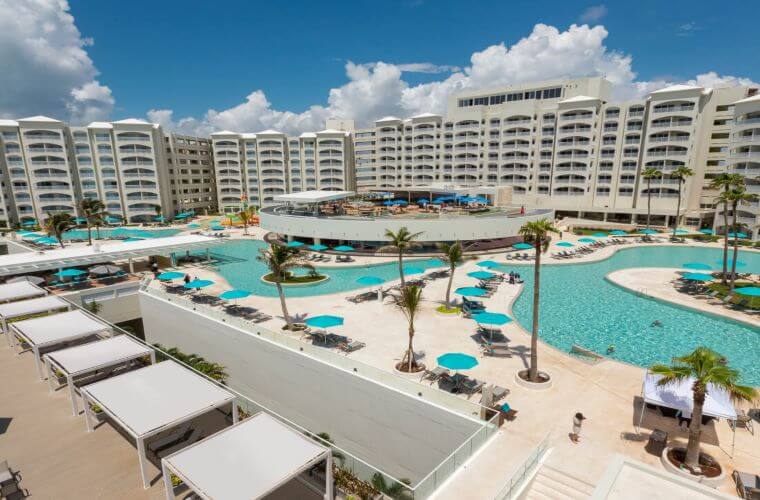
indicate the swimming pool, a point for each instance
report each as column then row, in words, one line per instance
column 244, row 271
column 81, row 234
column 578, row 306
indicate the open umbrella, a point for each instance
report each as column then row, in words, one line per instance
column 457, row 361
column 522, row 246
column 749, row 291
column 318, row 247
column 471, row 291
column 35, row 280
column 565, row 244
column 234, row 294
column 104, row 270
column 707, row 231
column 324, row 321
column 587, row 240
column 618, row 232
column 423, row 201
column 193, row 225
column 697, row 266
column 68, row 273
column 737, row 235
column 217, row 228
column 370, row 280
column 697, row 277
column 491, row 318
column 170, row 275
column 488, row 264
column 344, row 248
column 195, row 284
column 294, row 244
column 481, row 275
column 602, row 235
column 648, row 231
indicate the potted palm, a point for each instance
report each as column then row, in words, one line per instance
column 453, row 255
column 281, row 260
column 408, row 301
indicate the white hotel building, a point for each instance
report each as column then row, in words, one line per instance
column 564, row 145
column 253, row 168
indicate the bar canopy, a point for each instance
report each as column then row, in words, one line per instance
column 314, row 196
column 20, row 290
column 248, row 460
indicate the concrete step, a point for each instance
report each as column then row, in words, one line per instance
column 553, row 484
column 566, row 479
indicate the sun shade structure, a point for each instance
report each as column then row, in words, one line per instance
column 491, row 318
column 697, row 277
column 324, row 321
column 234, row 294
column 749, row 291
column 48, row 331
column 248, row 460
column 20, row 290
column 77, row 362
column 565, row 244
column 481, row 275
column 105, row 270
column 488, row 263
column 471, row 291
column 13, row 310
column 35, row 280
column 150, row 400
column 69, row 273
column 679, row 396
column 618, row 232
column 457, row 361
column 294, row 244
column 522, row 246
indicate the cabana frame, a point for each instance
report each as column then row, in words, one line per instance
column 46, row 304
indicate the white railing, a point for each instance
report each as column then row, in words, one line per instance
column 524, row 471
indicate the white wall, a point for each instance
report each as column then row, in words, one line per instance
column 403, row 436
column 119, row 302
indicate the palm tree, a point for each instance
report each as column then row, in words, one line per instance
column 57, row 224
column 680, row 174
column 245, row 217
column 725, row 182
column 650, row 173
column 736, row 196
column 708, row 370
column 91, row 209
column 408, row 301
column 536, row 233
column 453, row 256
column 400, row 242
column 280, row 260
column 158, row 210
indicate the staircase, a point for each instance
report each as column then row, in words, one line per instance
column 551, row 483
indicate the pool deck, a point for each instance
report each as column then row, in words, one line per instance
column 605, row 392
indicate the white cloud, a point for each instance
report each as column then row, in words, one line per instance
column 45, row 67
column 687, row 29
column 426, row 67
column 593, row 13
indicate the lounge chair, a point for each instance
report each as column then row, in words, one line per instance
column 506, row 412
column 498, row 392
column 434, row 374
column 744, row 420
column 351, row 345
column 490, row 349
column 9, row 480
column 747, row 485
column 470, row 385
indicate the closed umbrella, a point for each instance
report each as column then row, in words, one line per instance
column 471, row 291
column 105, row 270
column 196, row 284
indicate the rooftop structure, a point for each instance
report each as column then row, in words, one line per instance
column 11, row 292
column 306, row 197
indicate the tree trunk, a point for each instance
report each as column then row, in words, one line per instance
column 678, row 209
column 283, row 304
column 725, row 240
column 401, row 266
column 448, row 287
column 649, row 201
column 89, row 232
column 732, row 278
column 410, row 349
column 695, row 430
column 533, row 374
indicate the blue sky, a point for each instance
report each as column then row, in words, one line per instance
column 198, row 66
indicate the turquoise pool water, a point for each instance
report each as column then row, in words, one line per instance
column 81, row 234
column 245, row 272
column 578, row 306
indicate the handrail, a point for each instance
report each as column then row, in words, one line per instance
column 520, row 474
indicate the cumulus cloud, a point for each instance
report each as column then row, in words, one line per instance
column 45, row 67
column 426, row 67
column 593, row 13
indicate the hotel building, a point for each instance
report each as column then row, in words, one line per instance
column 48, row 167
column 251, row 169
column 565, row 145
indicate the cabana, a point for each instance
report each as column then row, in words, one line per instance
column 248, row 460
column 154, row 399
column 79, row 364
column 11, row 292
column 679, row 396
column 49, row 331
column 13, row 310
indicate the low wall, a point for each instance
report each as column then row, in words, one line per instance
column 404, row 436
column 119, row 302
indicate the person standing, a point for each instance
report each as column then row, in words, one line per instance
column 186, row 279
column 578, row 419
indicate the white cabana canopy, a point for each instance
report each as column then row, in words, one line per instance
column 58, row 328
column 679, row 396
column 87, row 358
column 152, row 399
column 314, row 196
column 20, row 290
column 245, row 461
column 32, row 306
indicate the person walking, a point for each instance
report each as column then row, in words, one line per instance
column 578, row 419
column 187, row 279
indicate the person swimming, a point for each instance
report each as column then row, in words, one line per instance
column 655, row 323
column 610, row 348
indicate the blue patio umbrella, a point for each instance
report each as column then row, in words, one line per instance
column 522, row 246
column 170, row 275
column 217, row 228
column 388, row 203
column 682, row 231
column 68, row 273
column 410, row 270
column 749, row 291
column 587, row 240
column 457, row 361
column 481, row 275
column 195, row 284
column 729, row 263
column 344, row 248
column 697, row 266
column 294, row 244
column 438, row 201
column 370, row 280
column 565, row 244
column 423, row 201
column 491, row 318
column 618, row 232
column 193, row 225
column 697, row 277
column 648, row 231
column 600, row 235
column 707, row 231
column 479, row 199
column 182, row 216
column 400, row 202
column 234, row 294
column 471, row 291
column 324, row 321
column 488, row 264
column 737, row 235
column 46, row 240
column 318, row 247
column 29, row 223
